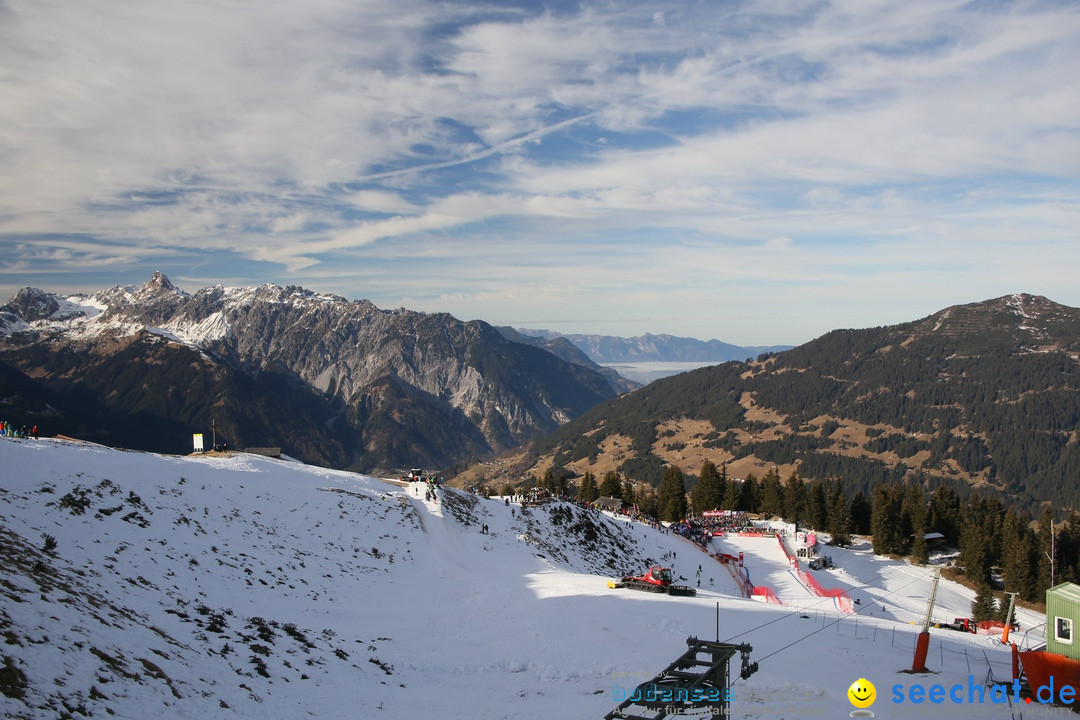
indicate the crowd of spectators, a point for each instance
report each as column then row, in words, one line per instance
column 7, row 429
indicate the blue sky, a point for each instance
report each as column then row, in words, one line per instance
column 755, row 172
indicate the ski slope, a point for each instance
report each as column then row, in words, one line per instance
column 767, row 565
column 246, row 587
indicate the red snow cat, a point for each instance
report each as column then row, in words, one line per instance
column 657, row 580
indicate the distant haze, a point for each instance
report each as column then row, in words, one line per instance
column 658, row 349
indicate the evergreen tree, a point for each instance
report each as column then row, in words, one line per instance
column 1018, row 558
column 588, row 490
column 562, row 484
column 984, row 606
column 980, row 537
column 914, row 516
column 1047, row 567
column 611, row 486
column 944, row 514
column 839, row 514
column 817, row 506
column 648, row 501
column 861, row 512
column 548, row 481
column 707, row 493
column 920, row 551
column 750, row 494
column 794, row 499
column 772, row 494
column 885, row 520
column 507, row 489
column 722, row 483
column 1029, row 579
column 671, row 496
column 628, row 491
column 733, row 495
column 1067, row 551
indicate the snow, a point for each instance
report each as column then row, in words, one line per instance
column 196, row 334
column 243, row 586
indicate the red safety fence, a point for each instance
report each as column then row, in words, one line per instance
column 742, row 576
column 843, row 600
column 768, row 594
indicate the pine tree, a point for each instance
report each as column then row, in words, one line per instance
column 772, row 494
column 588, row 490
column 794, row 499
column 885, row 521
column 839, row 514
column 977, row 538
column 984, row 606
column 817, row 507
column 914, row 514
column 671, row 496
column 1047, row 568
column 1067, row 551
column 1028, row 586
column 722, row 483
column 647, row 501
column 628, row 491
column 750, row 494
column 920, row 551
column 707, row 493
column 611, row 485
column 548, row 481
column 733, row 495
column 1018, row 559
column 944, row 514
column 861, row 512
column 562, row 484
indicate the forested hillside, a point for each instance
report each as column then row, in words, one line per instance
column 984, row 395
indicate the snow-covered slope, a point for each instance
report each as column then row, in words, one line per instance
column 248, row 587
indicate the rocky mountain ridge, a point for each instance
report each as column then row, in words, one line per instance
column 391, row 388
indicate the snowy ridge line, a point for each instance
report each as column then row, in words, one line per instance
column 843, row 600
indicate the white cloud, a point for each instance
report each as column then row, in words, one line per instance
column 518, row 147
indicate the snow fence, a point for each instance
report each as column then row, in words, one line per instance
column 843, row 600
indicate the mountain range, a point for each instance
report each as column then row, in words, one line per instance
column 609, row 349
column 333, row 382
column 979, row 395
column 982, row 395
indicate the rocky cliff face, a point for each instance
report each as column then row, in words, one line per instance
column 388, row 388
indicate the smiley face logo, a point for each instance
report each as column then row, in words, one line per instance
column 862, row 693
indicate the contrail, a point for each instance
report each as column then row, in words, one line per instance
column 528, row 137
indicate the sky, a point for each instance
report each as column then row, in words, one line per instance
column 755, row 172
